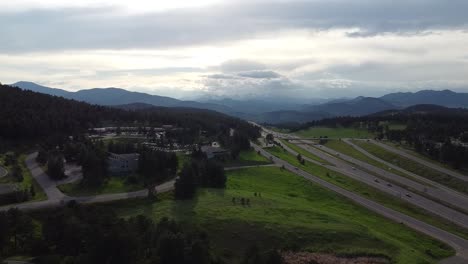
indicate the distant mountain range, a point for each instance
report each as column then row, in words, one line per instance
column 117, row 96
column 261, row 110
column 445, row 98
column 354, row 107
column 424, row 109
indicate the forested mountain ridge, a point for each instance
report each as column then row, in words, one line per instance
column 445, row 98
column 355, row 107
column 117, row 96
column 264, row 111
column 27, row 114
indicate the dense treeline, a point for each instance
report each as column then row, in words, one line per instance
column 79, row 234
column 200, row 172
column 31, row 115
column 156, row 166
column 76, row 235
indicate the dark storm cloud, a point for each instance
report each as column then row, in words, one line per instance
column 107, row 28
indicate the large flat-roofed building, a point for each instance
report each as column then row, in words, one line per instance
column 215, row 151
column 123, row 163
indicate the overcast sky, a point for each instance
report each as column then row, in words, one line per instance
column 254, row 48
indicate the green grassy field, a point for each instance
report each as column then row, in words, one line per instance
column 304, row 152
column 333, row 132
column 247, row 158
column 112, row 185
column 28, row 180
column 181, row 160
column 371, row 193
column 291, row 213
column 347, row 149
column 414, row 167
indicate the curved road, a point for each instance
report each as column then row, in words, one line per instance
column 56, row 198
column 3, row 172
column 459, row 244
column 421, row 161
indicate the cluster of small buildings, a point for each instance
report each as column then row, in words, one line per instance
column 119, row 164
column 110, row 130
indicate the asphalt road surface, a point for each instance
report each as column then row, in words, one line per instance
column 55, row 198
column 421, row 161
column 48, row 185
column 385, row 186
column 459, row 244
column 422, row 185
column 3, row 172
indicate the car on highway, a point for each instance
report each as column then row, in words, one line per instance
column 408, row 195
column 353, row 168
column 389, row 185
column 376, row 180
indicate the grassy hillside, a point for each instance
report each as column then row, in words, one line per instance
column 290, row 213
column 112, row 185
column 247, row 158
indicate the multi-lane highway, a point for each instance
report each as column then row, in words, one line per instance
column 459, row 244
column 416, row 183
column 385, row 186
column 421, row 161
column 437, row 188
column 402, row 192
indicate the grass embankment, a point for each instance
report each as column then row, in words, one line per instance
column 304, row 152
column 247, row 158
column 371, row 193
column 414, row 167
column 339, row 132
column 114, row 184
column 291, row 212
column 28, row 180
column 407, row 148
column 343, row 147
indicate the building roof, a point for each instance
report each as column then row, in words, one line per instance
column 212, row 149
column 126, row 156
